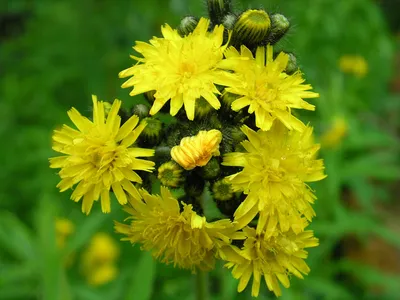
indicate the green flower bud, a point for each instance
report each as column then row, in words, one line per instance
column 228, row 98
column 162, row 153
column 141, row 110
column 187, row 25
column 229, row 21
column 211, row 170
column 202, row 108
column 279, row 26
column 237, row 135
column 150, row 96
column 222, row 190
column 292, row 64
column 217, row 9
column 170, row 174
column 152, row 132
column 251, row 28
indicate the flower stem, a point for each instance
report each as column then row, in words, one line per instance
column 201, row 285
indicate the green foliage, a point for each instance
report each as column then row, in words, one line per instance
column 55, row 54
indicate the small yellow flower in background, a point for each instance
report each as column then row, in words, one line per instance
column 99, row 259
column 64, row 228
column 98, row 156
column 335, row 134
column 353, row 64
column 269, row 92
column 276, row 167
column 180, row 69
column 172, row 235
column 274, row 258
column 196, row 151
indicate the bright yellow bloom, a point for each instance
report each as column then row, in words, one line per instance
column 353, row 64
column 64, row 228
column 180, row 69
column 274, row 258
column 196, row 151
column 335, row 134
column 276, row 167
column 98, row 260
column 98, row 156
column 175, row 235
column 269, row 92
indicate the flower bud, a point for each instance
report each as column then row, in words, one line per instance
column 141, row 110
column 170, row 174
column 279, row 26
column 202, row 108
column 251, row 28
column 222, row 190
column 211, row 170
column 229, row 21
column 150, row 96
column 217, row 9
column 152, row 132
column 292, row 64
column 188, row 24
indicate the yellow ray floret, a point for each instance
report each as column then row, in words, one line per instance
column 276, row 166
column 269, row 92
column 274, row 258
column 196, row 151
column 180, row 69
column 98, row 156
column 175, row 235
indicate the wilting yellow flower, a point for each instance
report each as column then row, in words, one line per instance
column 64, row 228
column 353, row 64
column 276, row 167
column 274, row 258
column 180, row 69
column 335, row 134
column 98, row 260
column 196, row 151
column 98, row 156
column 175, row 235
column 269, row 92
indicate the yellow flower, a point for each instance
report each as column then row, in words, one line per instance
column 353, row 64
column 335, row 134
column 196, row 151
column 64, row 228
column 98, row 260
column 269, row 92
column 175, row 235
column 180, row 69
column 276, row 167
column 98, row 156
column 275, row 259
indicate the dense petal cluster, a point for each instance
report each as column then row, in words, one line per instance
column 174, row 234
column 180, row 69
column 99, row 156
column 196, row 151
column 275, row 258
column 277, row 165
column 269, row 92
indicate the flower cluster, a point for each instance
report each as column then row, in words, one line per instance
column 234, row 134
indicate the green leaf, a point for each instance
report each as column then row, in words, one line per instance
column 142, row 280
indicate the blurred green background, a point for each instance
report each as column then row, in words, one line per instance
column 55, row 53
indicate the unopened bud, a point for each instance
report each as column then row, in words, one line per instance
column 251, row 28
column 211, row 170
column 229, row 21
column 222, row 190
column 152, row 132
column 202, row 108
column 217, row 9
column 292, row 64
column 188, row 24
column 141, row 110
column 279, row 26
column 170, row 174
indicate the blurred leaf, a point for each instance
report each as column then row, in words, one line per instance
column 142, row 280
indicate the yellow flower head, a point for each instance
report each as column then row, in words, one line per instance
column 353, row 64
column 276, row 166
column 99, row 258
column 180, row 69
column 196, row 151
column 335, row 134
column 269, row 92
column 181, row 237
column 275, row 259
column 98, row 156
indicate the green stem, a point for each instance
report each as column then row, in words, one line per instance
column 201, row 285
